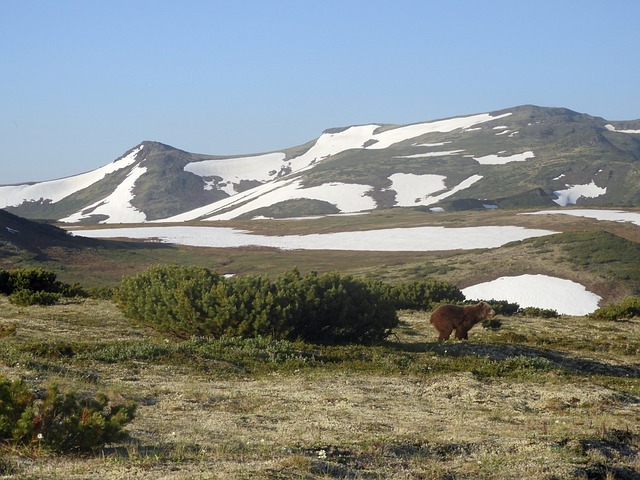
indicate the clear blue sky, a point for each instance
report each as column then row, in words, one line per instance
column 82, row 81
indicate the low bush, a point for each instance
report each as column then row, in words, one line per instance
column 503, row 307
column 424, row 294
column 327, row 308
column 35, row 286
column 27, row 297
column 539, row 312
column 628, row 308
column 61, row 422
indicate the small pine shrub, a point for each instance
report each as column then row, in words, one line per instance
column 326, row 308
column 539, row 312
column 35, row 286
column 628, row 308
column 491, row 324
column 503, row 307
column 424, row 294
column 25, row 298
column 61, row 422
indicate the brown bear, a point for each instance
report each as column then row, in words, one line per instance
column 447, row 318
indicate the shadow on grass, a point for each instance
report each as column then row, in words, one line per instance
column 501, row 352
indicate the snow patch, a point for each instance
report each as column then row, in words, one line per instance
column 572, row 194
column 542, row 291
column 412, row 190
column 56, row 190
column 498, row 160
column 611, row 128
column 261, row 168
column 606, row 215
column 389, row 137
column 431, row 154
column 421, row 239
column 117, row 206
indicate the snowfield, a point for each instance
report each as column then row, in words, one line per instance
column 498, row 160
column 233, row 170
column 414, row 239
column 56, row 190
column 117, row 206
column 608, row 215
column 571, row 195
column 412, row 190
column 613, row 129
column 564, row 296
column 328, row 144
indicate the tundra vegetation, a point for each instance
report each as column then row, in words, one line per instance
column 148, row 385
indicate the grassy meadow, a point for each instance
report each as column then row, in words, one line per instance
column 536, row 398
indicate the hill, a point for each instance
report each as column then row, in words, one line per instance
column 525, row 156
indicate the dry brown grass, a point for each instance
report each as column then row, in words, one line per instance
column 578, row 419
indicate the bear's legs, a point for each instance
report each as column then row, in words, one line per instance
column 445, row 332
column 462, row 333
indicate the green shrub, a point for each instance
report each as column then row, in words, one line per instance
column 27, row 297
column 424, row 294
column 323, row 308
column 628, row 308
column 60, row 422
column 539, row 312
column 502, row 307
column 35, row 286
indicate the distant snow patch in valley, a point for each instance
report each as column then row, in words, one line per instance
column 574, row 192
column 607, row 215
column 542, row 291
column 415, row 239
column 499, row 160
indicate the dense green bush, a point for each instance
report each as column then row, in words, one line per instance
column 27, row 297
column 324, row 308
column 539, row 312
column 62, row 422
column 35, row 286
column 628, row 308
column 424, row 294
column 502, row 307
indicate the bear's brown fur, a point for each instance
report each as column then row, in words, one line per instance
column 447, row 318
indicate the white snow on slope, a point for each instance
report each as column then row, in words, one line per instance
column 117, row 206
column 389, row 137
column 259, row 167
column 326, row 145
column 431, row 154
column 421, row 239
column 608, row 215
column 56, row 190
column 564, row 296
column 613, row 129
column 498, row 160
column 412, row 190
column 571, row 195
column 348, row 198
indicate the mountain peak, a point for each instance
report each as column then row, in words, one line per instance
column 523, row 156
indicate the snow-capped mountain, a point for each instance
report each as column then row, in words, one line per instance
column 523, row 156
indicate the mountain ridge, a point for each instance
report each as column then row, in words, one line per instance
column 525, row 156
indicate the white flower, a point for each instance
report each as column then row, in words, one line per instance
column 40, row 436
column 322, row 454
